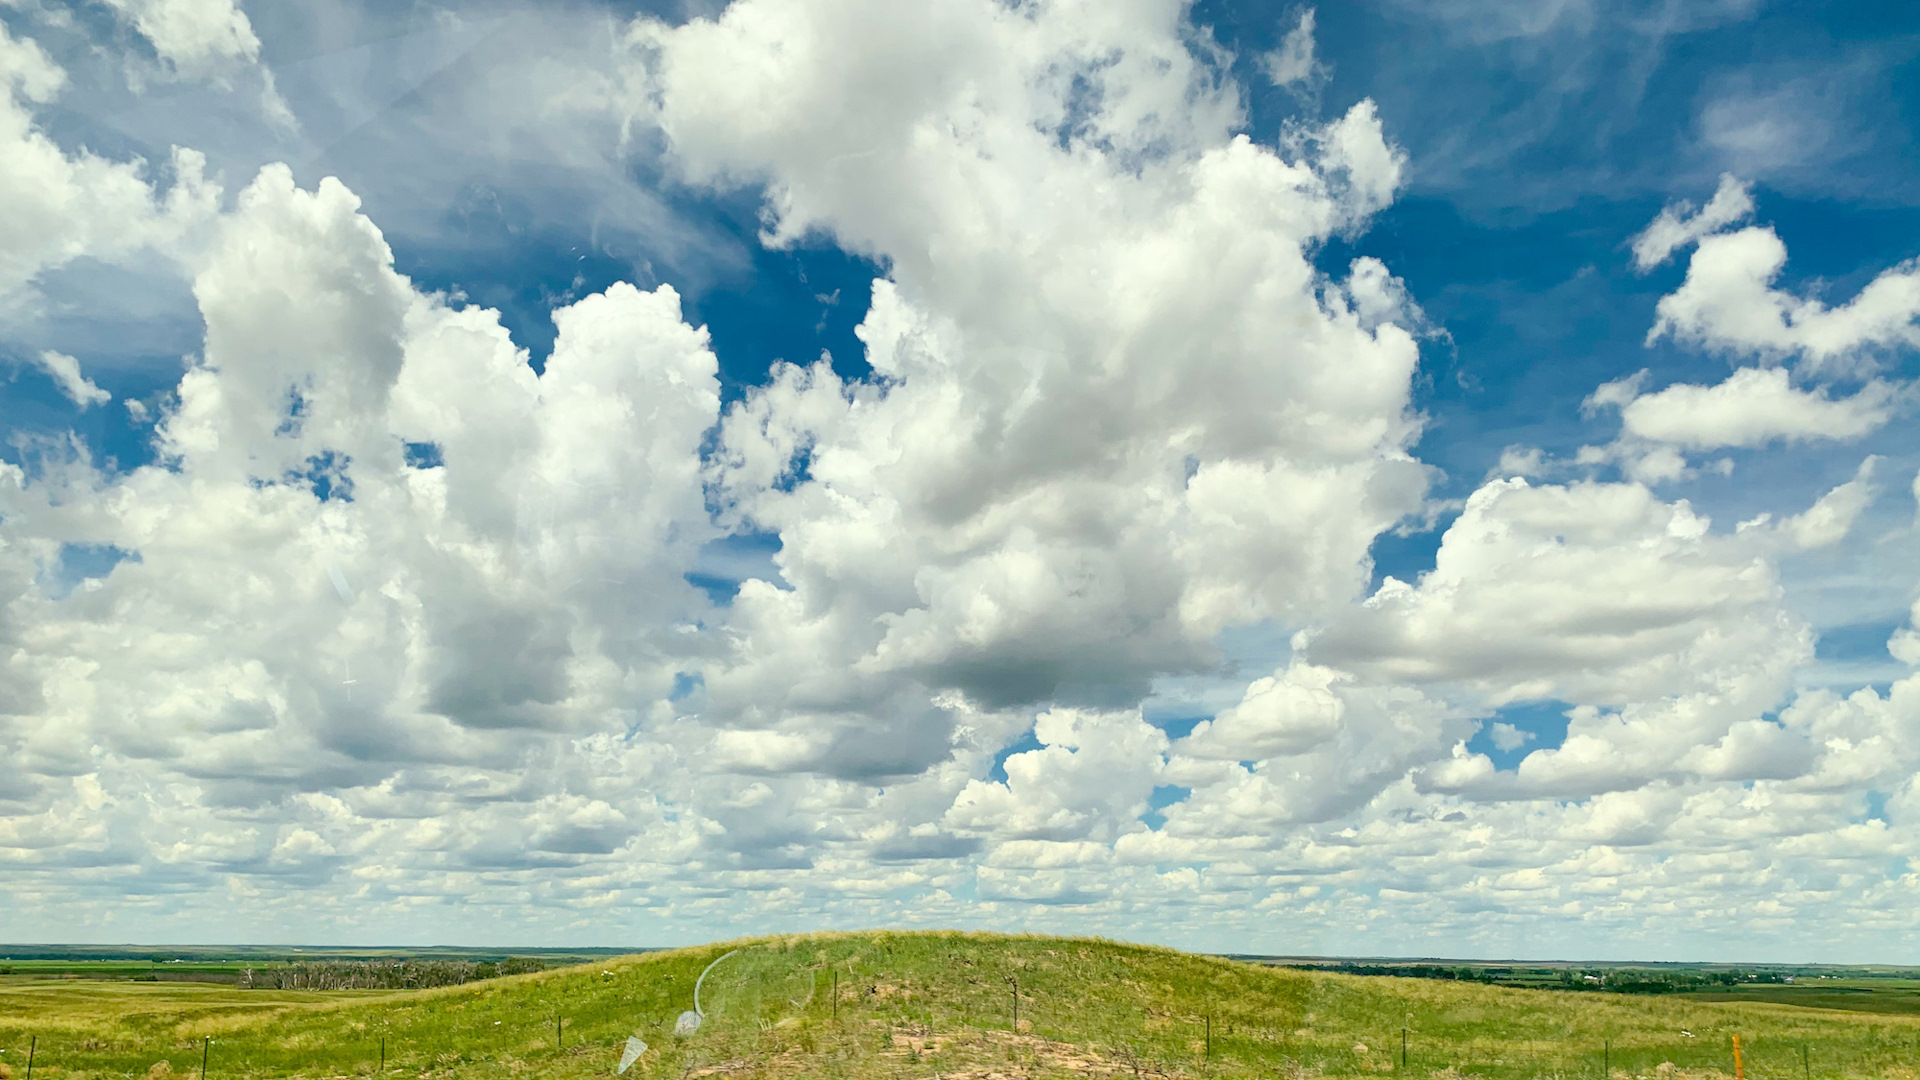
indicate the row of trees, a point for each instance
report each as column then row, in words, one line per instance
column 1617, row 980
column 381, row 974
column 1648, row 981
column 1417, row 971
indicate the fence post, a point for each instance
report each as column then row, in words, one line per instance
column 205, row 1041
column 1606, row 1061
column 1739, row 1073
column 1209, row 1036
column 31, row 1047
column 836, row 993
column 1403, row 1048
column 1015, row 983
column 383, row 1054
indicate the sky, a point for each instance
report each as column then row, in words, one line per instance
column 1386, row 478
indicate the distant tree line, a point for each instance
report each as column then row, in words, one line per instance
column 382, row 974
column 1416, row 971
column 1645, row 981
column 1612, row 980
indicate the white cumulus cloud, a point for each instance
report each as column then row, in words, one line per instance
column 398, row 618
column 56, row 207
column 1588, row 593
column 193, row 35
column 1729, row 303
column 1751, row 407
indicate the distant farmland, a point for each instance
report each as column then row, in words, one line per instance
column 284, row 968
column 1851, row 988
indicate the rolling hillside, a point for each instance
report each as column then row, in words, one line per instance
column 934, row 1005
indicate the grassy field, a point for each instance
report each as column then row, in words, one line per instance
column 860, row 1006
column 1869, row 988
column 138, row 961
column 119, row 969
column 1853, row 995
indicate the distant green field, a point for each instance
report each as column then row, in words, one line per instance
column 1855, row 995
column 887, row 1005
column 1882, row 989
column 260, row 954
column 225, row 964
column 120, row 969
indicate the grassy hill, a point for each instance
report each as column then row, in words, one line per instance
column 876, row 1005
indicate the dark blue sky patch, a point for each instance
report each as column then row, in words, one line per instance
column 1857, row 641
column 1177, row 727
column 1406, row 556
column 123, row 322
column 80, row 562
column 1537, row 313
column 720, row 591
column 1164, row 795
column 799, row 470
column 685, row 685
column 725, row 562
column 326, row 474
column 35, row 414
column 790, row 304
column 1027, row 741
column 1537, row 726
column 423, row 455
column 502, row 251
column 497, row 252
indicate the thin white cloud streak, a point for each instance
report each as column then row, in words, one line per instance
column 1679, row 225
column 1752, row 407
column 64, row 370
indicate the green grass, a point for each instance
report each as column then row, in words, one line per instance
column 1901, row 996
column 912, row 1005
column 120, row 969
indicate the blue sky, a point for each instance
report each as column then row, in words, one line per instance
column 1174, row 472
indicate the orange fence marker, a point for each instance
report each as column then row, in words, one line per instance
column 1738, row 1074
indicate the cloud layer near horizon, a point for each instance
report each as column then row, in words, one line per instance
column 395, row 634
